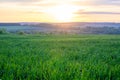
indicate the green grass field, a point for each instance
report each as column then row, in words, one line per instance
column 59, row 57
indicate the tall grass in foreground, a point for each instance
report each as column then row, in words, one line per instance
column 60, row 57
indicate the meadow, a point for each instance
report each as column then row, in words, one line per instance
column 59, row 57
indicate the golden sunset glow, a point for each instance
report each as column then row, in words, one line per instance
column 62, row 13
column 59, row 11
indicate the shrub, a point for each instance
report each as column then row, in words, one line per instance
column 3, row 31
column 21, row 32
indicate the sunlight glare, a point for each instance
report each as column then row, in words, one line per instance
column 62, row 13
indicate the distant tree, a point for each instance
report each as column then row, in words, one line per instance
column 21, row 32
column 3, row 31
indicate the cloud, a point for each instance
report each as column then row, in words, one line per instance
column 94, row 6
column 79, row 2
column 105, row 2
column 18, row 0
column 97, row 12
column 98, row 2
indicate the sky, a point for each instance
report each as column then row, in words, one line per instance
column 59, row 10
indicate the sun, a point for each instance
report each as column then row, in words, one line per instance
column 62, row 13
